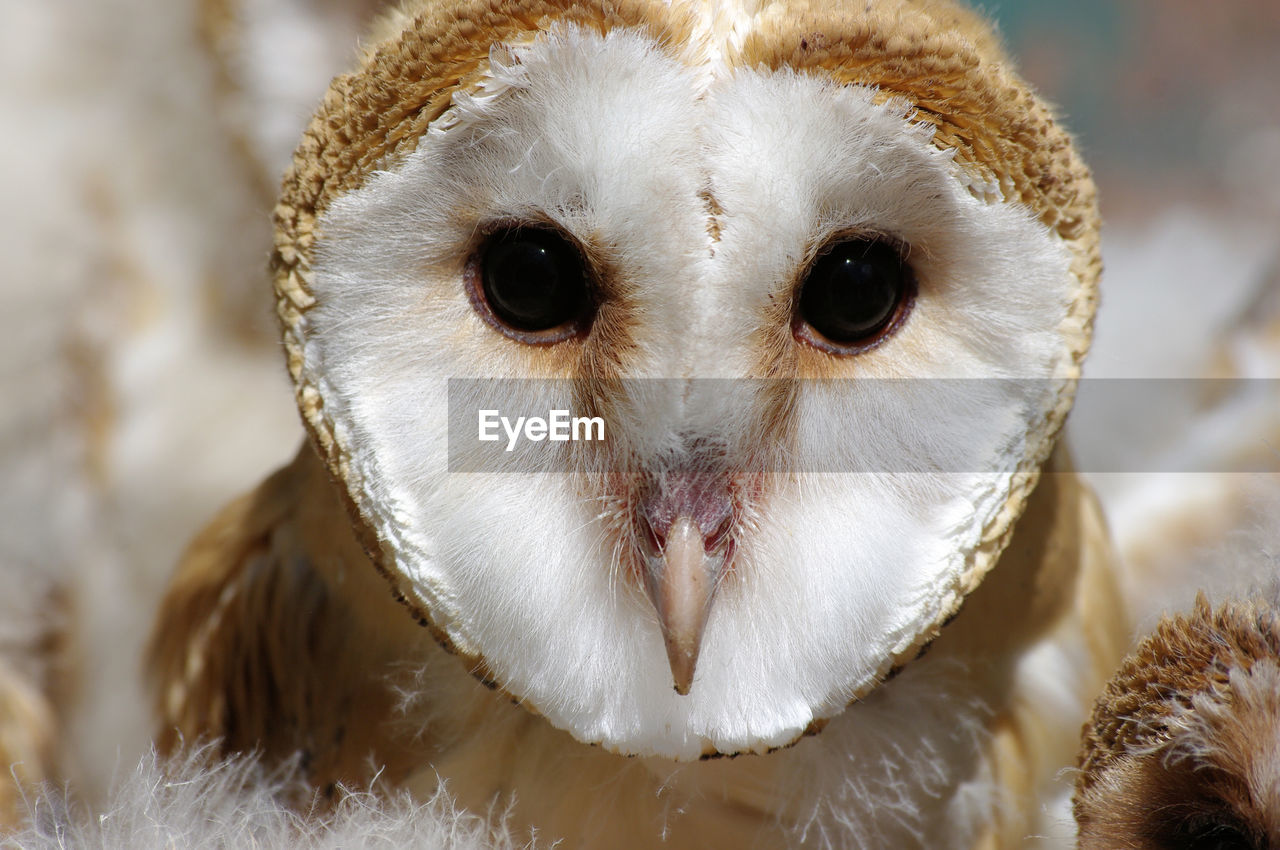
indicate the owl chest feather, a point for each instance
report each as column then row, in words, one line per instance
column 356, row 686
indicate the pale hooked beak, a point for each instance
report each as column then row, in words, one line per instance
column 683, row 564
column 681, row 583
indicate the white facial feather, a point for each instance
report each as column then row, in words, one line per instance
column 619, row 145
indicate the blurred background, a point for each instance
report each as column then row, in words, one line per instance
column 142, row 144
column 1176, row 106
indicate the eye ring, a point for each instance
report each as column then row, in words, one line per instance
column 856, row 292
column 531, row 283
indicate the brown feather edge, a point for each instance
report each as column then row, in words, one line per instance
column 377, row 113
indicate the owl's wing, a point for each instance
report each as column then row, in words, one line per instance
column 276, row 635
column 1054, row 597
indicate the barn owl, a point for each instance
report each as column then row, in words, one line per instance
column 825, row 277
column 1181, row 749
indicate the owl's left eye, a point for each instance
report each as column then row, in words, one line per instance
column 856, row 293
column 530, row 283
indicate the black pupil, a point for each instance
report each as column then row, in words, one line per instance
column 533, row 279
column 853, row 290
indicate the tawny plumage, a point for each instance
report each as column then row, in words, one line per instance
column 33, row 685
column 825, row 276
column 314, row 679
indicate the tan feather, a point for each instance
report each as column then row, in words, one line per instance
column 34, row 679
column 274, row 635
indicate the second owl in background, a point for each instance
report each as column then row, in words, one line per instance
column 1183, row 749
column 826, row 274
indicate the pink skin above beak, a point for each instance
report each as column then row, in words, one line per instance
column 689, row 522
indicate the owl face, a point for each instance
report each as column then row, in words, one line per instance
column 805, row 325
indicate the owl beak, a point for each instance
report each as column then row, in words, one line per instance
column 681, row 583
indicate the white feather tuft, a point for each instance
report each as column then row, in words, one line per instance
column 198, row 803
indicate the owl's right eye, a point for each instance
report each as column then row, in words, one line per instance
column 531, row 284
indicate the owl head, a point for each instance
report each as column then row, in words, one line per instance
column 1183, row 747
column 824, row 274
